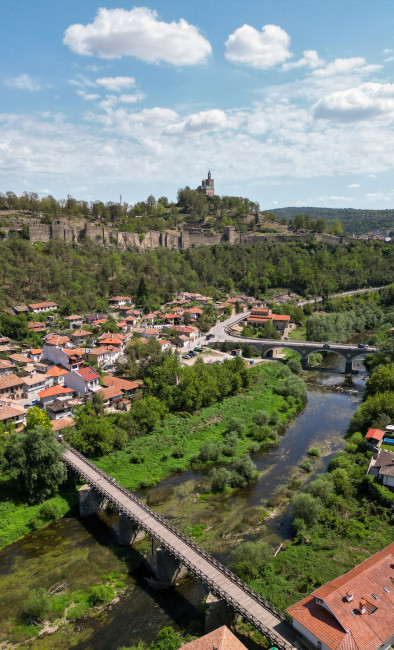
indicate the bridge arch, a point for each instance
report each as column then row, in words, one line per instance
column 269, row 352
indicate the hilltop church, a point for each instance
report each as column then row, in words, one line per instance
column 207, row 186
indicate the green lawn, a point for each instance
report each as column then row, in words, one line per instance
column 299, row 334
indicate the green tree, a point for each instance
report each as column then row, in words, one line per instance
column 34, row 462
column 167, row 639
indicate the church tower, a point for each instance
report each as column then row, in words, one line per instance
column 207, row 186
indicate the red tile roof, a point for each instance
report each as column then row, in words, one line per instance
column 55, row 390
column 340, row 624
column 56, row 339
column 57, row 371
column 111, row 392
column 123, row 384
column 221, row 639
column 375, row 434
column 88, row 373
column 35, row 351
column 73, row 317
column 79, row 333
column 62, row 423
column 39, row 305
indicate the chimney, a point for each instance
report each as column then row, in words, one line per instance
column 363, row 606
column 349, row 596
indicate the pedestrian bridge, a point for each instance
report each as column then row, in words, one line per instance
column 303, row 348
column 220, row 580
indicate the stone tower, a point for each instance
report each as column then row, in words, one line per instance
column 207, row 186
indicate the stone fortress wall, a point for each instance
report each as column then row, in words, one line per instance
column 184, row 239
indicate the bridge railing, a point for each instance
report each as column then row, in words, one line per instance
column 213, row 561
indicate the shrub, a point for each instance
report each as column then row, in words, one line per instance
column 49, row 511
column 295, row 366
column 231, row 442
column 100, row 594
column 38, row 605
column 136, row 459
column 243, row 473
column 209, row 452
column 250, row 559
column 79, row 610
column 167, row 639
column 314, row 451
column 306, row 465
column 274, row 417
column 219, row 479
column 260, row 418
column 307, row 508
column 235, row 426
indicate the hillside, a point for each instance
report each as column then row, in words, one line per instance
column 354, row 221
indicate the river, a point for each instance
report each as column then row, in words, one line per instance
column 141, row 612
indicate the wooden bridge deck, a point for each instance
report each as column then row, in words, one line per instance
column 220, row 580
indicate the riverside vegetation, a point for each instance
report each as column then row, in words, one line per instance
column 343, row 516
column 264, row 400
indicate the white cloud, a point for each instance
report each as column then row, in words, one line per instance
column 23, row 82
column 131, row 99
column 310, row 59
column 116, row 32
column 361, row 103
column 346, row 66
column 354, row 185
column 87, row 96
column 116, row 84
column 261, row 50
column 196, row 123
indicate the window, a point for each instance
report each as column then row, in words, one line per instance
column 319, row 645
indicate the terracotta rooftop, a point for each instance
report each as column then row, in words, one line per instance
column 19, row 358
column 5, row 363
column 37, row 378
column 57, row 371
column 55, row 390
column 339, row 624
column 40, row 305
column 62, row 423
column 220, row 639
column 123, row 384
column 375, row 434
column 110, row 392
column 7, row 412
column 79, row 333
column 73, row 317
column 35, row 351
column 88, row 373
column 9, row 381
column 56, row 339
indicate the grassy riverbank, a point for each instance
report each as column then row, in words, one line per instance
column 175, row 445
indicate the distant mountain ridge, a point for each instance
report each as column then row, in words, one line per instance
column 354, row 221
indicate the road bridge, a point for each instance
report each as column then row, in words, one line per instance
column 220, row 580
column 303, row 348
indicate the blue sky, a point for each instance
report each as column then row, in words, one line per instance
column 288, row 102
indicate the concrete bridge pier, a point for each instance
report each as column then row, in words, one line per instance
column 129, row 532
column 168, row 568
column 305, row 363
column 218, row 613
column 91, row 502
column 348, row 367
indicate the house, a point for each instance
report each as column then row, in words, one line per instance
column 150, row 333
column 58, row 409
column 354, row 611
column 4, row 340
column 99, row 322
column 20, row 358
column 374, row 438
column 119, row 301
column 68, row 358
column 149, row 319
column 33, row 385
column 165, row 345
column 115, row 340
column 11, row 386
column 20, row 309
column 61, row 423
column 11, row 413
column 281, row 322
column 220, row 639
column 80, row 337
column 55, row 392
column 382, row 466
column 90, row 318
column 195, row 312
column 127, row 387
column 103, row 355
column 173, row 319
column 36, row 327
column 123, row 326
column 189, row 331
column 56, row 341
column 83, row 381
column 6, row 367
column 35, row 354
column 55, row 375
column 39, row 307
column 74, row 321
column 111, row 395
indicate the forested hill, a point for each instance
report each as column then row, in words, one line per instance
column 353, row 221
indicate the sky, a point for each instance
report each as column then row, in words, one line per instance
column 287, row 102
